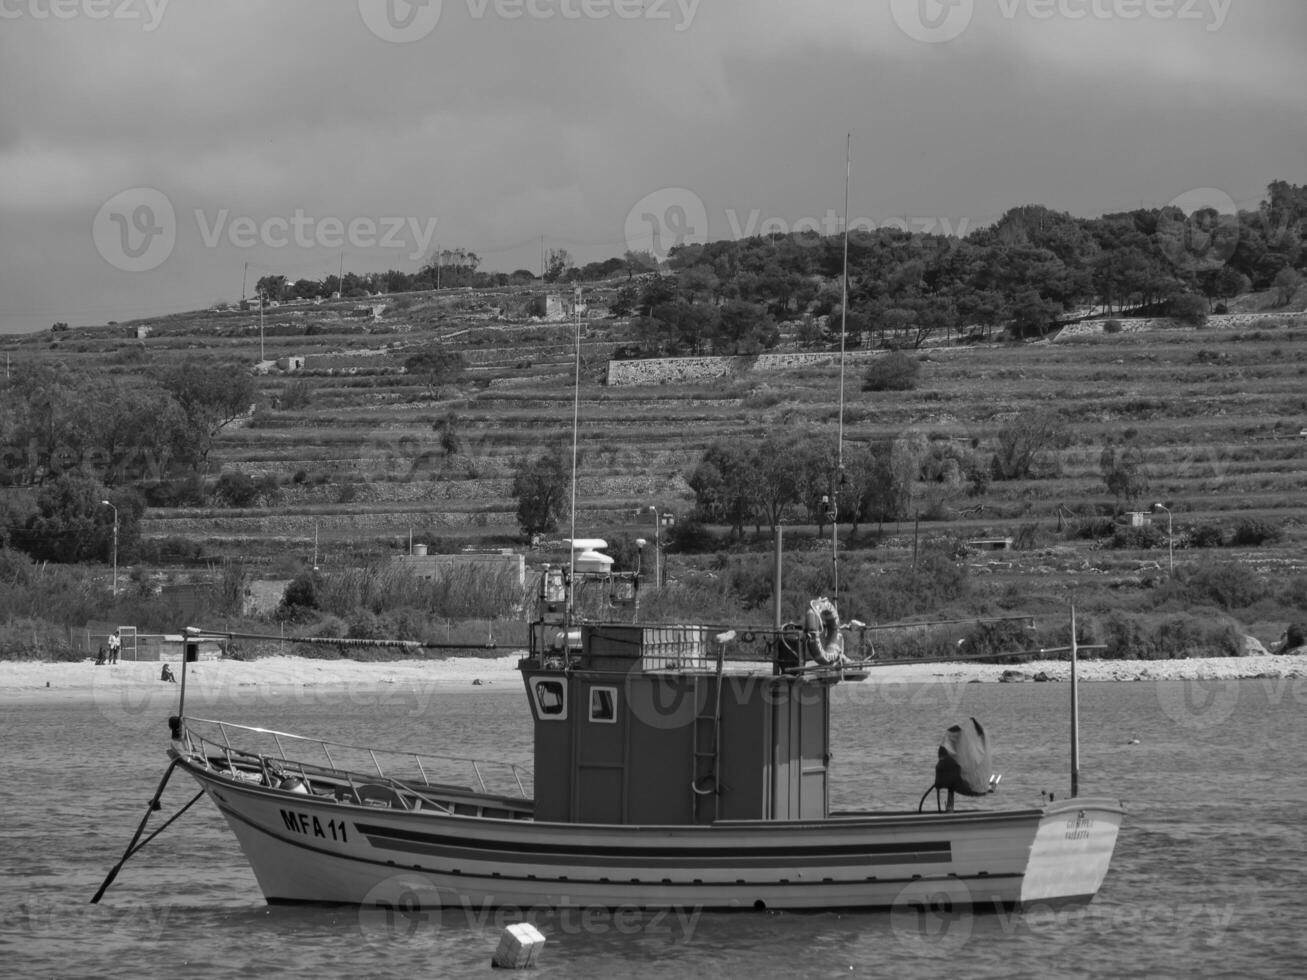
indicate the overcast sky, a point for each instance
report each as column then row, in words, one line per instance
column 150, row 149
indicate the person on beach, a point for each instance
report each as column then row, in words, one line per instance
column 114, row 641
column 101, row 657
column 167, row 675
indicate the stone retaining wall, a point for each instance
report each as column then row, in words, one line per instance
column 688, row 370
column 1225, row 321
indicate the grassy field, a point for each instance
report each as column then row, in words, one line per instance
column 1219, row 413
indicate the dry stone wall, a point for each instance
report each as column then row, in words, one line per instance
column 689, row 370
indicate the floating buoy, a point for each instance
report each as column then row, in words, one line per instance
column 519, row 944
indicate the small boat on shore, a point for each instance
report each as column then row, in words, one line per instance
column 674, row 766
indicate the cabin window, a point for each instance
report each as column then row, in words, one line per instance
column 603, row 705
column 551, row 699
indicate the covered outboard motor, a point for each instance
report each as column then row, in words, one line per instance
column 963, row 765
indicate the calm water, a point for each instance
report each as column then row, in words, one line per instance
column 1207, row 879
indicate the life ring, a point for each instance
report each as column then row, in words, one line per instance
column 824, row 642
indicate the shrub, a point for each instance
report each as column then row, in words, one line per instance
column 1205, row 536
column 236, row 489
column 1091, row 529
column 893, row 372
column 1177, row 636
column 1188, row 308
column 689, row 536
column 1148, row 537
column 1112, row 326
column 1227, row 584
column 187, row 492
column 296, row 394
column 1253, row 532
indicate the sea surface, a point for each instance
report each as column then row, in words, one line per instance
column 1208, row 878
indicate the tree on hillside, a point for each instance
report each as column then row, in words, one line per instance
column 71, row 523
column 723, row 485
column 436, row 367
column 1123, row 473
column 211, row 396
column 1287, row 283
column 1024, row 440
column 639, row 262
column 541, row 487
column 39, row 418
column 558, row 264
column 778, row 478
column 272, row 288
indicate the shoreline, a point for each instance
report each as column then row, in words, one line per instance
column 291, row 677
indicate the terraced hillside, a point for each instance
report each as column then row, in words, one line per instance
column 1219, row 413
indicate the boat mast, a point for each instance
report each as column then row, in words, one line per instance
column 1075, row 712
column 576, row 415
column 844, row 322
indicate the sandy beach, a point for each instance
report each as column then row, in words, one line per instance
column 273, row 677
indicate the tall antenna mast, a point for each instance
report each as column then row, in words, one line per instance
column 576, row 415
column 844, row 322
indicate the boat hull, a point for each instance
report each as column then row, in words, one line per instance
column 316, row 849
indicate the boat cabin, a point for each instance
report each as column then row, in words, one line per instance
column 660, row 725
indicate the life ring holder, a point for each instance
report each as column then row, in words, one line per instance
column 818, row 646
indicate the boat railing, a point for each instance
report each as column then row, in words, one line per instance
column 272, row 755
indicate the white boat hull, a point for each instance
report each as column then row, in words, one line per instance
column 306, row 848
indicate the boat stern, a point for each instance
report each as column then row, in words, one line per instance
column 1071, row 851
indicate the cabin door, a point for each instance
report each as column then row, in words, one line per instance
column 814, row 759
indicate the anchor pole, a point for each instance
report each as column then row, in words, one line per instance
column 151, row 808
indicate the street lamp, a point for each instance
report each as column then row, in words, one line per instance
column 658, row 555
column 1170, row 540
column 115, row 546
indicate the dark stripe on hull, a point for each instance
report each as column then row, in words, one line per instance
column 421, row 842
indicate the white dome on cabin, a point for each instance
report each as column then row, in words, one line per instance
column 592, row 561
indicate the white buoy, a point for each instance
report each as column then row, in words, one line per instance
column 518, row 946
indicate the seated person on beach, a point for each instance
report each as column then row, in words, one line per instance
column 825, row 643
column 166, row 674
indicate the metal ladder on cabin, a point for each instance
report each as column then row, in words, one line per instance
column 706, row 740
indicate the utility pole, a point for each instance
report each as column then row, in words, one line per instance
column 115, row 545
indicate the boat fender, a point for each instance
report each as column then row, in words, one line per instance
column 821, row 631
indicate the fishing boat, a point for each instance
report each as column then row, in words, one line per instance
column 674, row 766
